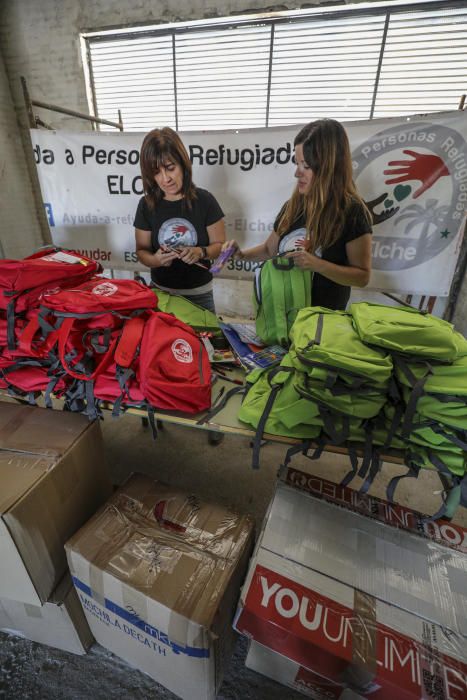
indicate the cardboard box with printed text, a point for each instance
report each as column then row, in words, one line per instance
column 158, row 573
column 450, row 533
column 373, row 608
column 53, row 477
column 288, row 672
column 59, row 623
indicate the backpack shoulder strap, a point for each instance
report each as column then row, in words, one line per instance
column 129, row 340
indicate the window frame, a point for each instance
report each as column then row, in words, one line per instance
column 267, row 19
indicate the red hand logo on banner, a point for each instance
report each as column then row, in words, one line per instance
column 424, row 167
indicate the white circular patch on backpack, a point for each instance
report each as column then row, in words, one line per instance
column 182, row 350
column 106, row 289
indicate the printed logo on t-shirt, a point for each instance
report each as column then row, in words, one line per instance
column 295, row 240
column 182, row 351
column 177, row 232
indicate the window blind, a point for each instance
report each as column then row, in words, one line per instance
column 345, row 65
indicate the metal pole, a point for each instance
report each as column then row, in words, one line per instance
column 27, row 100
column 73, row 113
column 380, row 62
column 399, row 301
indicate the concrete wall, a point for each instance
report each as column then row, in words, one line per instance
column 40, row 40
column 20, row 231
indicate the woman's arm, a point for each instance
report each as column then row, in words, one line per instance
column 263, row 251
column 145, row 254
column 355, row 274
column 216, row 234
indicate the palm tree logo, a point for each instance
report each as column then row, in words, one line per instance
column 430, row 218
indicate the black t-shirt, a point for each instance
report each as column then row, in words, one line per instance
column 175, row 224
column 325, row 292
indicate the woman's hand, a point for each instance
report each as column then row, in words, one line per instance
column 164, row 257
column 304, row 260
column 233, row 244
column 190, row 254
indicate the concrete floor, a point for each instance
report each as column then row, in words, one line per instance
column 182, row 457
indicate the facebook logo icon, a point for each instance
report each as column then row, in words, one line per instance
column 49, row 213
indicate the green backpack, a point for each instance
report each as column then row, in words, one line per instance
column 273, row 405
column 280, row 290
column 326, row 347
column 405, row 330
column 272, row 399
column 187, row 311
column 436, row 391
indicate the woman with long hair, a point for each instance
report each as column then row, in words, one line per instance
column 325, row 226
column 179, row 227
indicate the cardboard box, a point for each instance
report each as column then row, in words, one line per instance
column 443, row 531
column 59, row 623
column 158, row 574
column 53, row 477
column 376, row 609
column 287, row 672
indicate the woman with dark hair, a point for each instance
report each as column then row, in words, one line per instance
column 325, row 226
column 179, row 227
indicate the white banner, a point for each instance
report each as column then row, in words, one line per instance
column 412, row 172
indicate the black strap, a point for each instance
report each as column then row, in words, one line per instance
column 331, row 379
column 438, row 463
column 220, row 403
column 451, row 436
column 401, row 364
column 50, row 387
column 94, row 339
column 416, row 393
column 329, row 422
column 18, row 394
column 262, row 424
column 413, row 472
column 448, row 398
column 85, row 366
column 44, row 325
column 394, row 391
column 24, row 362
column 10, row 319
column 375, row 468
column 75, row 397
column 354, row 466
column 123, row 375
column 152, row 421
column 318, row 335
column 395, row 423
column 367, row 450
column 304, row 448
column 277, row 370
column 91, row 408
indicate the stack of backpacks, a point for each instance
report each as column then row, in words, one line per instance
column 378, row 378
column 87, row 339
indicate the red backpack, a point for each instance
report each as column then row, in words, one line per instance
column 29, row 377
column 175, row 373
column 88, row 319
column 23, row 281
column 118, row 379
